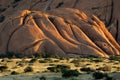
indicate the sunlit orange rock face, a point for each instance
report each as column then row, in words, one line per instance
column 59, row 31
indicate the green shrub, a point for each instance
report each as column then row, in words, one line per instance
column 42, row 55
column 42, row 78
column 96, row 60
column 75, row 61
column 20, row 64
column 51, row 64
column 99, row 75
column 105, row 68
column 56, row 60
column 14, row 55
column 63, row 67
column 109, row 78
column 73, row 79
column 70, row 73
column 116, row 58
column 77, row 64
column 43, row 61
column 58, row 68
column 28, row 69
column 14, row 73
column 33, row 60
column 46, row 60
column 87, row 69
column 3, row 68
column 52, row 69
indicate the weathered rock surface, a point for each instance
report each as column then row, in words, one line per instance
column 106, row 10
column 62, row 31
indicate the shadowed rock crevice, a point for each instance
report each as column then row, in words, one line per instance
column 60, row 4
column 75, row 3
column 111, row 14
column 2, row 18
column 117, row 28
column 2, row 10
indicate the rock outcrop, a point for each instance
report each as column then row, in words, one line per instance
column 60, row 31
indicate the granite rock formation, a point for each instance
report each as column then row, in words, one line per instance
column 60, row 28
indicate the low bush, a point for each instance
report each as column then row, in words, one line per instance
column 58, row 68
column 109, row 78
column 99, row 75
column 96, row 60
column 105, row 68
column 87, row 69
column 3, row 68
column 70, row 73
column 42, row 55
column 28, row 69
column 33, row 60
column 42, row 78
column 115, row 58
column 14, row 73
column 46, row 60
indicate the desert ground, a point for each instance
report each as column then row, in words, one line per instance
column 37, row 68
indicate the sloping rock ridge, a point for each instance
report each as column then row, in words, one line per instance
column 36, row 28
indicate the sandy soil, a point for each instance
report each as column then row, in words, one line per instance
column 40, row 66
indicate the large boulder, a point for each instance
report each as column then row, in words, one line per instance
column 60, row 27
column 106, row 10
column 62, row 32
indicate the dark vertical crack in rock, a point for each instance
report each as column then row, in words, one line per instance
column 74, row 33
column 59, row 5
column 2, row 18
column 47, row 7
column 111, row 14
column 117, row 27
column 106, row 13
column 74, row 5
